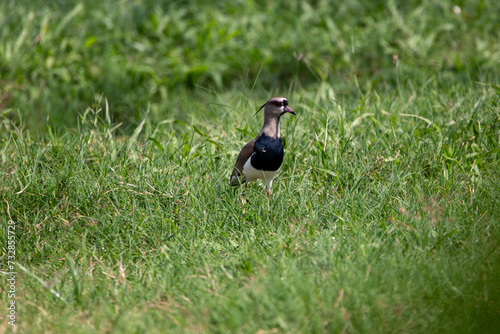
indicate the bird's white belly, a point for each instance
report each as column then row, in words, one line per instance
column 252, row 174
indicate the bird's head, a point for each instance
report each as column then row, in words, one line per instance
column 275, row 107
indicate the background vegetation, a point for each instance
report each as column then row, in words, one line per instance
column 121, row 121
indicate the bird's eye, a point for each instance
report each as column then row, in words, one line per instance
column 277, row 104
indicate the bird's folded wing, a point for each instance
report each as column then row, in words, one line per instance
column 245, row 153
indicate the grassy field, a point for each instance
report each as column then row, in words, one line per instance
column 120, row 124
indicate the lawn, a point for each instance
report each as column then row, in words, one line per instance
column 121, row 122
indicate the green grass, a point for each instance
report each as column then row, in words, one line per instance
column 121, row 123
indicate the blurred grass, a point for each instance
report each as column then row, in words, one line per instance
column 121, row 121
column 59, row 57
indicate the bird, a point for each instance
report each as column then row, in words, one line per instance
column 261, row 158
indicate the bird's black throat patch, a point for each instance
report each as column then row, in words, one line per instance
column 267, row 153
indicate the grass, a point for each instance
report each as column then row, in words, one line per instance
column 121, row 123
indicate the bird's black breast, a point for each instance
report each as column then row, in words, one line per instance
column 267, row 153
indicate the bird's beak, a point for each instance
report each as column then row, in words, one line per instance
column 288, row 109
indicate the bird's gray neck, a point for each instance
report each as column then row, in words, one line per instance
column 271, row 127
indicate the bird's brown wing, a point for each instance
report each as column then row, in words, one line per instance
column 246, row 152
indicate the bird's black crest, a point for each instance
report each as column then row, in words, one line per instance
column 260, row 108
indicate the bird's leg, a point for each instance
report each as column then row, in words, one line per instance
column 244, row 191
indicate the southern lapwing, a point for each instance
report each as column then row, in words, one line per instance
column 262, row 157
